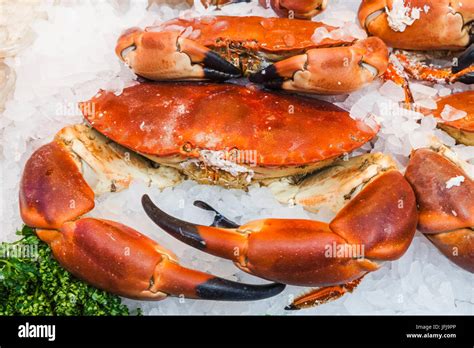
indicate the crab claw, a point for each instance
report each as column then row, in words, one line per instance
column 167, row 55
column 53, row 189
column 298, row 8
column 446, row 213
column 107, row 254
column 441, row 24
column 464, row 68
column 286, row 251
column 302, row 252
column 325, row 70
column 118, row 259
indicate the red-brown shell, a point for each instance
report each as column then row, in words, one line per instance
column 107, row 254
column 382, row 217
column 440, row 26
column 52, row 189
column 442, row 209
column 258, row 33
column 166, row 119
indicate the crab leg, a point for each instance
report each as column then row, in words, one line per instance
column 417, row 69
column 325, row 70
column 170, row 56
column 323, row 295
column 106, row 254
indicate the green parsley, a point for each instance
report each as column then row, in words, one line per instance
column 33, row 283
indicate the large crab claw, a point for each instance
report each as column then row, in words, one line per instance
column 442, row 24
column 305, row 9
column 446, row 210
column 168, row 55
column 380, row 220
column 325, row 70
column 107, row 254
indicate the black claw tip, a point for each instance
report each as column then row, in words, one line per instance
column 468, row 79
column 216, row 67
column 226, row 290
column 215, row 75
column 291, row 307
column 203, row 205
column 465, row 60
column 268, row 76
column 182, row 230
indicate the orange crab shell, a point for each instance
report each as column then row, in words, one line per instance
column 463, row 129
column 172, row 119
column 441, row 27
column 273, row 35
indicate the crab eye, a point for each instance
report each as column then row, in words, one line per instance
column 127, row 50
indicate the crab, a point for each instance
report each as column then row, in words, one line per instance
column 436, row 27
column 277, row 52
column 157, row 133
column 161, row 122
column 444, row 189
column 54, row 193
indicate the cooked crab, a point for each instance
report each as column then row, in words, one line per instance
column 161, row 131
column 278, row 52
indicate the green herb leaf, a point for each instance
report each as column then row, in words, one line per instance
column 33, row 283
